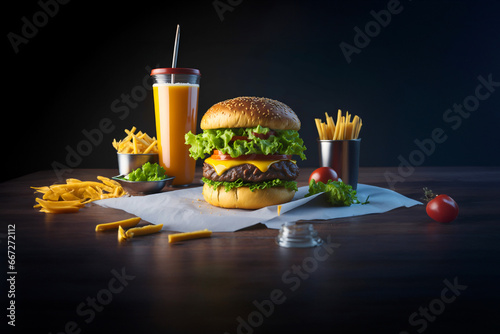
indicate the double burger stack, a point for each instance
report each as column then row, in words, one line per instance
column 251, row 142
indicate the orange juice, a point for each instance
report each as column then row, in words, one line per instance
column 176, row 107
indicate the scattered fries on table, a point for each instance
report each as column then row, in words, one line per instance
column 344, row 129
column 74, row 194
column 132, row 231
column 136, row 143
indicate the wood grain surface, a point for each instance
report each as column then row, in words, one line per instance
column 397, row 272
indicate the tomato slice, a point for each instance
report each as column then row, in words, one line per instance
column 265, row 136
column 259, row 135
column 240, row 138
column 217, row 155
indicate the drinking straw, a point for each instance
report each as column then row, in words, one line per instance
column 176, row 49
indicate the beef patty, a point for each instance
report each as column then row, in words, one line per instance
column 284, row 170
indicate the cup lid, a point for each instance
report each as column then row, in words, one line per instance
column 175, row 70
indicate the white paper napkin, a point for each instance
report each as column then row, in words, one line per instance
column 186, row 210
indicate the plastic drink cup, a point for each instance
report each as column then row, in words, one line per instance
column 175, row 92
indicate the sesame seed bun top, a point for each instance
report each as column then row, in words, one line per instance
column 248, row 112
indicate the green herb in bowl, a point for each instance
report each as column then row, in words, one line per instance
column 147, row 172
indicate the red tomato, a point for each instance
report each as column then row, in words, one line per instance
column 324, row 174
column 442, row 209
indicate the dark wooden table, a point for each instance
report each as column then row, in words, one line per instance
column 395, row 272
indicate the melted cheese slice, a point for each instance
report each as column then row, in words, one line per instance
column 220, row 166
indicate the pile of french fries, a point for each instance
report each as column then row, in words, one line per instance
column 344, row 129
column 74, row 194
column 136, row 143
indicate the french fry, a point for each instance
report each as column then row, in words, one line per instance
column 121, row 234
column 144, row 230
column 69, row 196
column 60, row 210
column 68, row 181
column 140, row 139
column 42, row 190
column 354, row 126
column 134, row 231
column 176, row 237
column 51, row 195
column 319, row 127
column 59, row 206
column 131, row 222
column 124, row 146
column 150, row 147
column 330, row 124
column 134, row 142
column 147, row 138
column 359, row 127
column 108, row 181
column 336, row 134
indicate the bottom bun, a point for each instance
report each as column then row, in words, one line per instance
column 244, row 198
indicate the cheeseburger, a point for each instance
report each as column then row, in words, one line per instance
column 250, row 141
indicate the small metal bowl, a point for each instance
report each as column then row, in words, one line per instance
column 128, row 162
column 143, row 187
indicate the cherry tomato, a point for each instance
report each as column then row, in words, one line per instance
column 442, row 209
column 324, row 174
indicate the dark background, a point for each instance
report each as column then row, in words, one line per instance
column 65, row 79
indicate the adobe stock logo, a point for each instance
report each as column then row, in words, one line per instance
column 122, row 107
column 31, row 27
column 88, row 309
column 222, row 6
column 293, row 279
column 454, row 118
column 372, row 29
column 429, row 313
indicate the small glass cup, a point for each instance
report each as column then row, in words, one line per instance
column 298, row 236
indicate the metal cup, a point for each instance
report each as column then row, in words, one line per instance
column 343, row 157
column 128, row 162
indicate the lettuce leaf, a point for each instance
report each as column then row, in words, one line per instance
column 337, row 192
column 292, row 185
column 283, row 142
column 147, row 172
